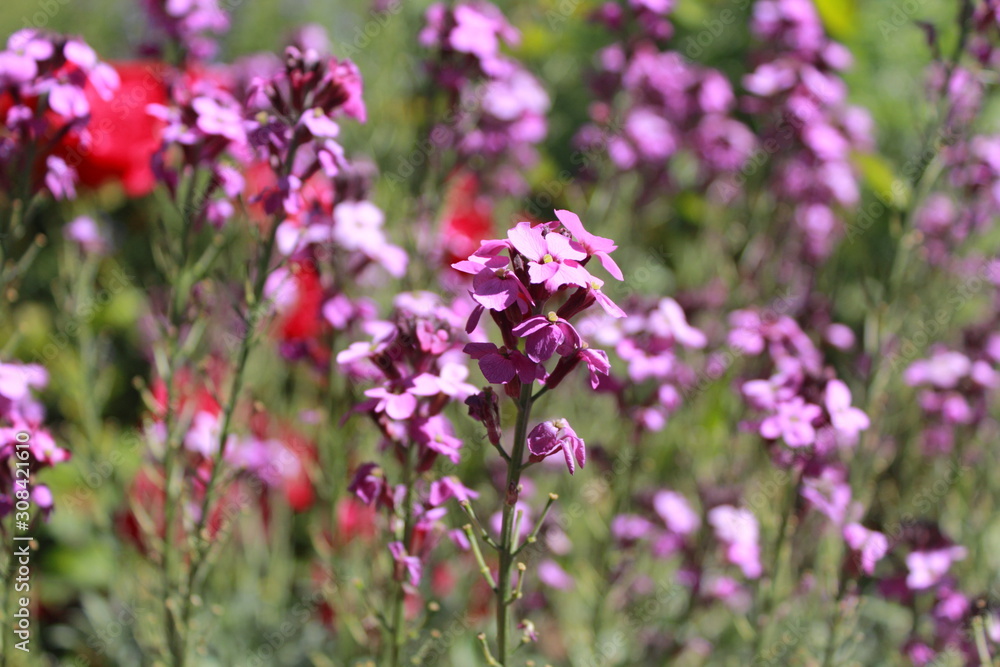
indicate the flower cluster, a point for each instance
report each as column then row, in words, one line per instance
column 26, row 446
column 43, row 100
column 955, row 392
column 496, row 107
column 812, row 130
column 187, row 25
column 422, row 371
column 649, row 341
column 652, row 103
column 515, row 279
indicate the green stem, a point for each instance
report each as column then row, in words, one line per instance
column 514, row 468
column 398, row 623
column 767, row 603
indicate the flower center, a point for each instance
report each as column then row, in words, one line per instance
column 548, row 258
column 552, row 317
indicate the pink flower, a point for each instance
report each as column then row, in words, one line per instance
column 848, row 421
column 214, row 119
column 547, row 335
column 552, row 259
column 870, row 544
column 60, row 178
column 553, row 575
column 793, row 422
column 669, row 321
column 943, row 370
column 594, row 245
column 414, row 567
column 829, row 492
column 739, row 531
column 396, row 405
column 319, row 124
column 597, row 363
column 928, row 567
column 675, row 511
column 553, row 436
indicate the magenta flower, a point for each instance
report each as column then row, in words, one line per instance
column 498, row 289
column 449, row 487
column 552, row 258
column 848, row 421
column 368, row 483
column 500, row 365
column 594, row 245
column 436, row 434
column 609, row 306
column 739, row 531
column 547, row 335
column 871, row 545
column 554, row 436
column 793, row 422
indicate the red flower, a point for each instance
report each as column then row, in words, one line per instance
column 467, row 218
column 303, row 320
column 123, row 137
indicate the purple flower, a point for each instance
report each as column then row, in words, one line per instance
column 793, row 422
column 552, row 258
column 554, row 436
column 870, row 544
column 848, row 421
column 547, row 335
column 500, row 365
column 739, row 531
column 598, row 246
